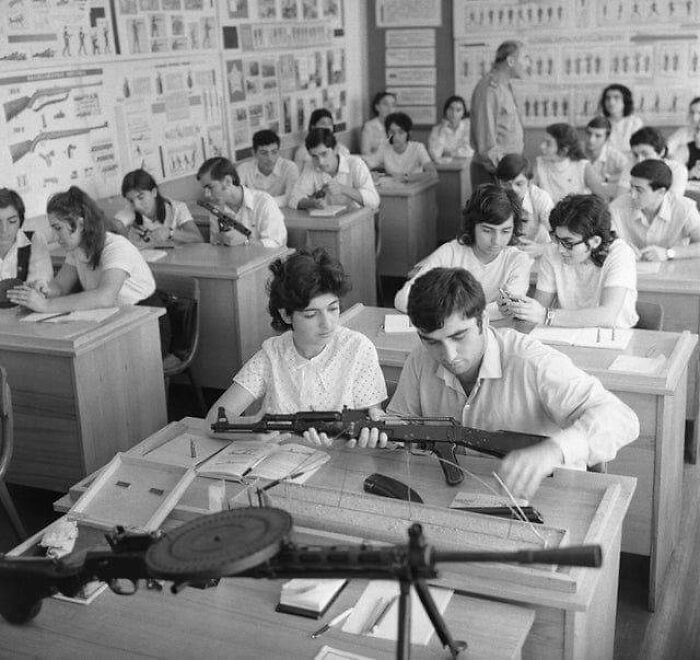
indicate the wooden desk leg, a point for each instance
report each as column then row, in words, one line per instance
column 692, row 440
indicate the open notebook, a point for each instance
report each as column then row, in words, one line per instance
column 327, row 211
column 92, row 315
column 589, row 337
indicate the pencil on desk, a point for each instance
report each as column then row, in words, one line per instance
column 613, row 333
column 193, row 449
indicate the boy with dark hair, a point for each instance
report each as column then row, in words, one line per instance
column 502, row 379
column 609, row 163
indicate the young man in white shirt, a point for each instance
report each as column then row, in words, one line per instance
column 332, row 178
column 268, row 171
column 253, row 208
column 659, row 225
column 504, row 380
column 608, row 163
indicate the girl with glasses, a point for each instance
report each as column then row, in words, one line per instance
column 587, row 270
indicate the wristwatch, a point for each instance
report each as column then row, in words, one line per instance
column 670, row 254
column 549, row 316
column 171, row 233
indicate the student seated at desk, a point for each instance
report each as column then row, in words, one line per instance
column 657, row 224
column 450, row 138
column 679, row 140
column 253, row 208
column 320, row 118
column 315, row 363
column 607, row 162
column 563, row 169
column 152, row 219
column 268, row 171
column 512, row 173
column 110, row 270
column 590, row 272
column 332, row 178
column 23, row 255
column 617, row 105
column 648, row 144
column 502, row 379
column 400, row 156
column 693, row 160
column 373, row 130
column 491, row 224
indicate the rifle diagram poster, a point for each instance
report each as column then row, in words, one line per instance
column 577, row 47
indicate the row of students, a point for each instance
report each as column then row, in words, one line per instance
column 460, row 369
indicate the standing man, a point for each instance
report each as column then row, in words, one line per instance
column 496, row 127
column 253, row 208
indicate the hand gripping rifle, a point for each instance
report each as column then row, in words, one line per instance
column 226, row 220
column 441, row 435
column 252, row 542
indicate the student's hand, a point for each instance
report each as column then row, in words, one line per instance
column 532, row 248
column 313, row 203
column 370, row 438
column 654, row 253
column 28, row 297
column 528, row 309
column 522, row 470
column 334, row 188
column 41, row 286
column 160, row 234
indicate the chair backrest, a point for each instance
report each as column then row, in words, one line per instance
column 651, row 315
column 6, row 423
column 180, row 295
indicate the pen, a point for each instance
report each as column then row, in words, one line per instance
column 193, row 449
column 333, row 622
column 597, row 337
column 373, row 616
column 53, row 316
column 383, row 613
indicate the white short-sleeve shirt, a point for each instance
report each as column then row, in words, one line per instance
column 345, row 373
column 118, row 253
column 278, row 183
column 566, row 177
column 373, row 136
column 39, row 268
column 395, row 164
column 580, row 286
column 176, row 215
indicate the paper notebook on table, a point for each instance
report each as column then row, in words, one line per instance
column 187, row 449
column 310, row 598
column 638, row 365
column 588, row 337
column 151, row 255
column 92, row 315
column 396, row 323
column 266, row 460
column 327, row 211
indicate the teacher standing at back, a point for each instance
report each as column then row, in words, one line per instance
column 496, row 126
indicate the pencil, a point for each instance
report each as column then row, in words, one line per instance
column 193, row 449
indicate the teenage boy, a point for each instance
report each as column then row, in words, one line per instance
column 608, row 163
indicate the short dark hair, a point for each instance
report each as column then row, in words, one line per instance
column 506, row 49
column 492, row 204
column 512, row 166
column 318, row 136
column 693, row 102
column 142, row 180
column 401, row 119
column 264, row 138
column 218, row 168
column 378, row 97
column 299, row 278
column 656, row 172
column 455, row 99
column 600, row 121
column 317, row 115
column 568, row 141
column 627, row 102
column 11, row 198
column 73, row 204
column 441, row 292
column 589, row 216
column 652, row 137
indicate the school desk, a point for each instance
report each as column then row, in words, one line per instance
column 454, row 188
column 407, row 223
column 574, row 607
column 655, row 458
column 81, row 391
column 349, row 237
column 233, row 303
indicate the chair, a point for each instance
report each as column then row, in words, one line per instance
column 651, row 316
column 6, row 444
column 181, row 297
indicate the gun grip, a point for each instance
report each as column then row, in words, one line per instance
column 448, row 462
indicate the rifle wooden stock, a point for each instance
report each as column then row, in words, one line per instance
column 20, row 149
column 17, row 106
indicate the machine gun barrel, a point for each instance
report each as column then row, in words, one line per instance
column 226, row 221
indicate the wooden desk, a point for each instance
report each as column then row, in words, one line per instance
column 574, row 608
column 233, row 310
column 454, row 188
column 655, row 458
column 81, row 392
column 349, row 237
column 407, row 213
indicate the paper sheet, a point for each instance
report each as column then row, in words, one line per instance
column 92, row 315
column 178, row 450
column 587, row 337
column 638, row 365
column 151, row 255
column 327, row 211
column 395, row 323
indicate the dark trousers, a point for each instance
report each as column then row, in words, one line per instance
column 479, row 174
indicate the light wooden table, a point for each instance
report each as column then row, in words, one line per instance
column 574, row 607
column 233, row 303
column 81, row 392
column 349, row 237
column 408, row 215
column 454, row 188
column 655, row 458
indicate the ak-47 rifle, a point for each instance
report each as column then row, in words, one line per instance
column 226, row 221
column 441, row 435
column 39, row 99
column 20, row 149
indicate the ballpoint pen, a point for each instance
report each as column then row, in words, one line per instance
column 333, row 622
column 382, row 614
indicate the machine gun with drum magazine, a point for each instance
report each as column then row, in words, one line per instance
column 441, row 435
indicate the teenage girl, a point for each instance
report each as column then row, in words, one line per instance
column 617, row 105
column 373, row 130
column 450, row 138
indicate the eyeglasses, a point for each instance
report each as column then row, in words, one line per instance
column 566, row 244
